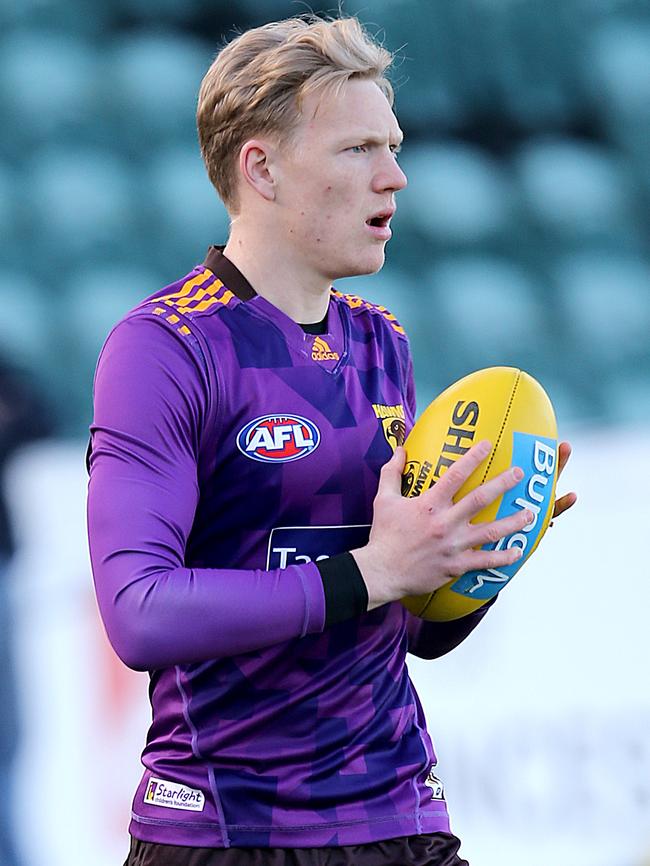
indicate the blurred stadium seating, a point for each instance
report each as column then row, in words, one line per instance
column 522, row 237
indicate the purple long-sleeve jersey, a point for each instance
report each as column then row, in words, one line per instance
column 231, row 451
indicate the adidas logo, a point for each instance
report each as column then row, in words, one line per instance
column 320, row 351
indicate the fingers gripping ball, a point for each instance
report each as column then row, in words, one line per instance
column 512, row 410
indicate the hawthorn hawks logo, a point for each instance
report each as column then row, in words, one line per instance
column 392, row 422
column 278, row 438
column 411, row 471
column 415, row 476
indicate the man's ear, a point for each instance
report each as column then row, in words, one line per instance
column 256, row 167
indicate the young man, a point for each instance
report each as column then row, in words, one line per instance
column 237, row 447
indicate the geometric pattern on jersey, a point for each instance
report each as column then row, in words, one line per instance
column 257, row 343
column 308, row 382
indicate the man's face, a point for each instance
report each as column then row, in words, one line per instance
column 339, row 175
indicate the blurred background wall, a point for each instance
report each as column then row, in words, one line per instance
column 522, row 238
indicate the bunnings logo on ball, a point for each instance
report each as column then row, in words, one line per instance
column 278, row 438
column 537, row 457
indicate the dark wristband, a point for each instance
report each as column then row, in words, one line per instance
column 346, row 594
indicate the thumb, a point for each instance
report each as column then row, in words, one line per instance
column 391, row 472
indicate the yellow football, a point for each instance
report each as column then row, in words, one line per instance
column 512, row 410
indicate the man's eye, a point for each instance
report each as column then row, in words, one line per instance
column 358, row 147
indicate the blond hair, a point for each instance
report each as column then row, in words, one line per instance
column 257, row 83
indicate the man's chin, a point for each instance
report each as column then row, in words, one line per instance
column 364, row 265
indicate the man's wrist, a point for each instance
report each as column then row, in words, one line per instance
column 376, row 585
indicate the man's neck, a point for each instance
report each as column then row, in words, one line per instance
column 299, row 292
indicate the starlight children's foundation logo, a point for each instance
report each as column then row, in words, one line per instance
column 171, row 795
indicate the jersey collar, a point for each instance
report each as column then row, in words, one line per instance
column 229, row 275
column 328, row 350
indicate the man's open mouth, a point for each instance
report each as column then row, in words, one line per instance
column 380, row 220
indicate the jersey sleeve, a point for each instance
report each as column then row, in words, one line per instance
column 152, row 404
column 430, row 640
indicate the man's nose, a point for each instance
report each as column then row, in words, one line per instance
column 401, row 177
column 391, row 175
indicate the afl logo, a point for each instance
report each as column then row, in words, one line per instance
column 278, row 438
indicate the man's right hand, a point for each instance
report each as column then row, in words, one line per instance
column 418, row 545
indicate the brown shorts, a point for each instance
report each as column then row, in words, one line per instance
column 434, row 849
